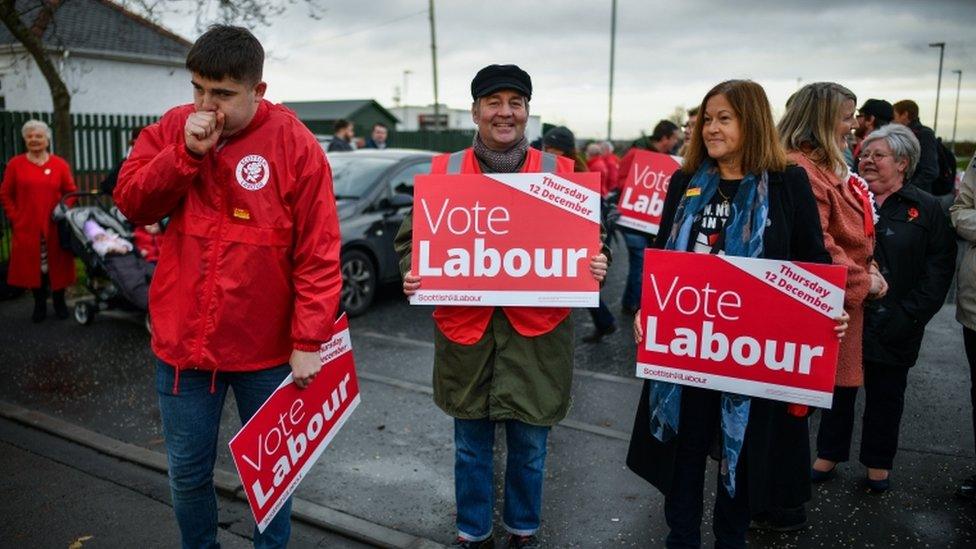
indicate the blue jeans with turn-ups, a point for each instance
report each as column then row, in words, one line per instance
column 191, row 422
column 474, row 441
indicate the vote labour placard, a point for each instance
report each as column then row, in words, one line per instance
column 756, row 327
column 506, row 239
column 280, row 443
column 642, row 195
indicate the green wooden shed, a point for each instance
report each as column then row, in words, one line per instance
column 319, row 116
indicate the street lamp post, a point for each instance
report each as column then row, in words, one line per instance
column 403, row 94
column 938, row 88
column 613, row 42
column 433, row 55
column 955, row 119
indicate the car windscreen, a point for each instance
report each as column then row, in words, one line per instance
column 353, row 176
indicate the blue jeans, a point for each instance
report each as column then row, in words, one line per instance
column 191, row 421
column 474, row 441
column 636, row 243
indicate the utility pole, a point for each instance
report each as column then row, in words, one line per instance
column 433, row 55
column 955, row 119
column 613, row 43
column 403, row 93
column 938, row 88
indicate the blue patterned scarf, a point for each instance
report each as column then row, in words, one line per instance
column 743, row 237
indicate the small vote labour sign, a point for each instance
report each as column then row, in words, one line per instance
column 756, row 327
column 642, row 195
column 521, row 239
column 285, row 437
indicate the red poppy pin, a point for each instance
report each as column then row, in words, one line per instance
column 912, row 214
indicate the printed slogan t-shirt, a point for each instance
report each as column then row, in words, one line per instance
column 709, row 227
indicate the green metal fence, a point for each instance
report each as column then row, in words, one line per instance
column 100, row 141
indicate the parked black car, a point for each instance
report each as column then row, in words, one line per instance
column 373, row 189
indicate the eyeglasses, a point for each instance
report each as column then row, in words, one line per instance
column 873, row 156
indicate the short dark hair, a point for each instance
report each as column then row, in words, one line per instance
column 227, row 51
column 341, row 124
column 664, row 128
column 693, row 111
column 382, row 125
column 907, row 106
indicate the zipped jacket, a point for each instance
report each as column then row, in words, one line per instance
column 249, row 263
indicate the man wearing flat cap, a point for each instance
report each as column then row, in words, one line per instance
column 873, row 114
column 508, row 365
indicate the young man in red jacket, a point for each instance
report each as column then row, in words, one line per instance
column 500, row 365
column 248, row 283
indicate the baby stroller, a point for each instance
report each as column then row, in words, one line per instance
column 116, row 281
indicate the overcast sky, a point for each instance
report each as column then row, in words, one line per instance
column 668, row 53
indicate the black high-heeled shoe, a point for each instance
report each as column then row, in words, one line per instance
column 817, row 476
column 878, row 486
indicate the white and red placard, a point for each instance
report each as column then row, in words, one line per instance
column 521, row 239
column 642, row 194
column 756, row 327
column 275, row 449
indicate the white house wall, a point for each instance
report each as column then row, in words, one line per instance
column 96, row 85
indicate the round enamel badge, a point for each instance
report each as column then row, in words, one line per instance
column 253, row 172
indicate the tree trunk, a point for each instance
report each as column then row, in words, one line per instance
column 31, row 37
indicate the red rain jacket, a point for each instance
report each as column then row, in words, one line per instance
column 249, row 264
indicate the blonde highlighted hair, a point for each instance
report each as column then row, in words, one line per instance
column 810, row 123
column 761, row 150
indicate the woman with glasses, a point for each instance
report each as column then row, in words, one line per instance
column 814, row 130
column 916, row 250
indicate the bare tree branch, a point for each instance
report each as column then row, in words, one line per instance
column 30, row 37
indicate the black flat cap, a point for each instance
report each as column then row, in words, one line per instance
column 561, row 138
column 501, row 77
column 878, row 108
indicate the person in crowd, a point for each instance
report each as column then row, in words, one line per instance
column 107, row 185
column 377, row 138
column 814, row 128
column 689, row 129
column 33, row 184
column 342, row 136
column 561, row 142
column 248, row 282
column 613, row 166
column 906, row 114
column 146, row 238
column 665, row 136
column 963, row 216
column 739, row 171
column 916, row 251
column 873, row 114
column 508, row 365
column 595, row 162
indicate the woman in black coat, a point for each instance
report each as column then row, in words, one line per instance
column 735, row 143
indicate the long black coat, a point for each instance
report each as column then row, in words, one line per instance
column 777, row 445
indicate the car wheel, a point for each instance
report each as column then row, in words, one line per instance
column 358, row 282
column 84, row 313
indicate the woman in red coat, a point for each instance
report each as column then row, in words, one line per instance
column 33, row 183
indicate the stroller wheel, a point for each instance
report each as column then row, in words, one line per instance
column 84, row 313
